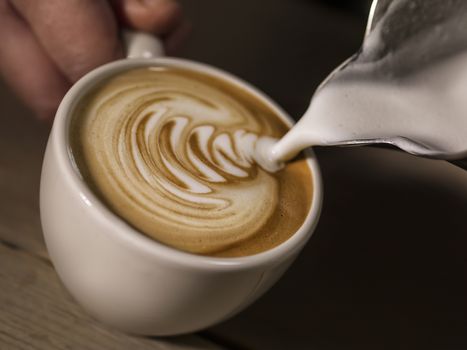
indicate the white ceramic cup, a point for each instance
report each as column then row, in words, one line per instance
column 126, row 279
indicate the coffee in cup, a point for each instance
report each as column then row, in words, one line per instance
column 176, row 154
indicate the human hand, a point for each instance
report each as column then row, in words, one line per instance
column 47, row 45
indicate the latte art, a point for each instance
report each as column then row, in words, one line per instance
column 168, row 153
column 180, row 159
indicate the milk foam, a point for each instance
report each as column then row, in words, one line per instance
column 412, row 88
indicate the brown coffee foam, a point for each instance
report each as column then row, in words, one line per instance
column 295, row 193
column 281, row 211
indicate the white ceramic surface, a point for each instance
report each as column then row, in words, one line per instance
column 122, row 277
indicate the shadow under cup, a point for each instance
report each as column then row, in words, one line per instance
column 128, row 280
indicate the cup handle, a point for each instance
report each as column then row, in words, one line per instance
column 142, row 45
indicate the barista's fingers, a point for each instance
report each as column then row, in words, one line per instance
column 160, row 17
column 26, row 67
column 78, row 35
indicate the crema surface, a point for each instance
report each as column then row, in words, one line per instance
column 178, row 155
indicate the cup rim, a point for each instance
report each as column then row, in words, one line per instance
column 119, row 228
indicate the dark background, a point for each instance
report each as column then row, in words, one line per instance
column 284, row 47
column 386, row 268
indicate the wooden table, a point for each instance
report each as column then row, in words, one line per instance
column 386, row 268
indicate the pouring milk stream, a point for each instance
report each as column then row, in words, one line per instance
column 406, row 86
